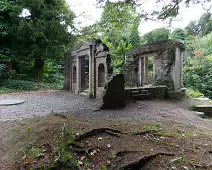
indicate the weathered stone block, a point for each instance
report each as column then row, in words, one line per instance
column 114, row 94
column 176, row 94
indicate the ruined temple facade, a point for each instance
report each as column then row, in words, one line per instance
column 86, row 68
column 167, row 64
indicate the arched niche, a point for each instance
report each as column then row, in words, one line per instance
column 74, row 74
column 101, row 75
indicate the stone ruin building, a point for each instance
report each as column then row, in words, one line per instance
column 167, row 69
column 87, row 70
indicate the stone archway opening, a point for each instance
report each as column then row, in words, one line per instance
column 101, row 75
column 74, row 74
column 91, row 61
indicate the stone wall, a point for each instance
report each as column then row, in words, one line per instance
column 164, row 61
column 153, row 92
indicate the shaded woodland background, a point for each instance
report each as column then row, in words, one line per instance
column 36, row 34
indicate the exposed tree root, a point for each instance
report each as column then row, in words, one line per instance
column 199, row 166
column 122, row 153
column 137, row 165
column 145, row 132
column 94, row 132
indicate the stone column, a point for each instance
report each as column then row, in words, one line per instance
column 181, row 75
column 90, row 73
column 145, row 80
column 177, row 69
column 78, row 74
column 71, row 74
column 141, row 70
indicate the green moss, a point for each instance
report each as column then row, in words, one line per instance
column 194, row 93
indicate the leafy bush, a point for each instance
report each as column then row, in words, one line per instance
column 198, row 65
column 52, row 75
column 2, row 71
column 15, row 85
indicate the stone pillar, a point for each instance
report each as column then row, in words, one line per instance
column 181, row 75
column 177, row 69
column 90, row 73
column 145, row 80
column 153, row 70
column 78, row 74
column 71, row 74
column 141, row 70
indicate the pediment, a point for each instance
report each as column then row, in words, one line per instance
column 83, row 46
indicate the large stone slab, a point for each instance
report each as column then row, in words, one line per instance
column 114, row 94
column 7, row 102
column 206, row 109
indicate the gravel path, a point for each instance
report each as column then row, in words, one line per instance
column 43, row 103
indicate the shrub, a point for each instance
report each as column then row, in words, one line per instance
column 198, row 65
column 15, row 85
column 2, row 71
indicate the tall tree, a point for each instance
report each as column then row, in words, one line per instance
column 135, row 39
column 9, row 22
column 119, row 31
column 165, row 9
column 44, row 32
column 201, row 27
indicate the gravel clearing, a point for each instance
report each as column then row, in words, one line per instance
column 43, row 103
column 48, row 102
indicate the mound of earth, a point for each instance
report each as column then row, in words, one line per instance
column 83, row 142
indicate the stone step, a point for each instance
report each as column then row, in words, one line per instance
column 141, row 96
column 206, row 109
column 144, row 91
column 135, row 92
column 86, row 91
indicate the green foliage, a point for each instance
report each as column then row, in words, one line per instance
column 119, row 31
column 64, row 149
column 117, row 15
column 194, row 93
column 34, row 38
column 9, row 22
column 2, row 72
column 51, row 72
column 165, row 9
column 17, row 85
column 201, row 27
column 178, row 33
column 118, row 55
column 198, row 64
column 156, row 35
column 134, row 38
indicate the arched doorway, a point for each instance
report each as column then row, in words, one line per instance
column 74, row 74
column 101, row 75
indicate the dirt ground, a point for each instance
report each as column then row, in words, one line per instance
column 177, row 148
column 143, row 135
